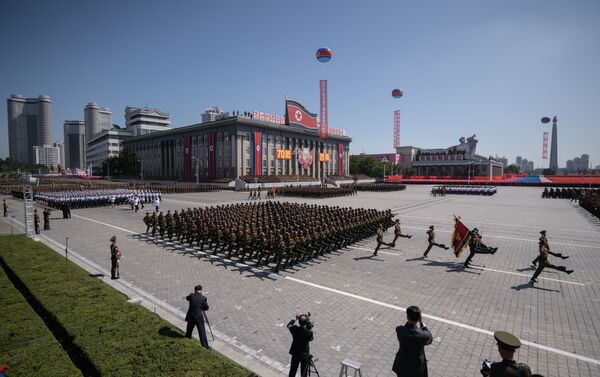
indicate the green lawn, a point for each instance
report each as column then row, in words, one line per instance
column 24, row 337
column 118, row 338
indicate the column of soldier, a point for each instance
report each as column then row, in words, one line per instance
column 94, row 198
column 380, row 187
column 589, row 199
column 317, row 192
column 269, row 233
column 463, row 190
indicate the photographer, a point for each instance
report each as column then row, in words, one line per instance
column 410, row 359
column 300, row 349
column 195, row 315
column 508, row 367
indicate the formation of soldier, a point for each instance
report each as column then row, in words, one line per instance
column 590, row 201
column 94, row 198
column 269, row 233
column 463, row 190
column 317, row 192
column 380, row 187
column 572, row 193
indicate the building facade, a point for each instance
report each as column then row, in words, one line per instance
column 96, row 119
column 143, row 121
column 74, row 141
column 105, row 144
column 48, row 155
column 239, row 146
column 29, row 125
column 213, row 113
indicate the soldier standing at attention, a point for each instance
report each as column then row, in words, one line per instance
column 4, row 207
column 398, row 232
column 36, row 221
column 380, row 240
column 46, row 214
column 431, row 240
column 115, row 255
column 507, row 345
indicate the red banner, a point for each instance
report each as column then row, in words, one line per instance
column 323, row 114
column 187, row 157
column 257, row 153
column 211, row 154
column 460, row 237
column 397, row 129
column 341, row 159
column 298, row 116
column 545, row 146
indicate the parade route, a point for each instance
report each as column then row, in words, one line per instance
column 357, row 299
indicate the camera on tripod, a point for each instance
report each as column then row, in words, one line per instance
column 486, row 367
column 309, row 323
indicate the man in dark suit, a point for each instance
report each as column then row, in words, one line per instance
column 300, row 349
column 410, row 359
column 195, row 315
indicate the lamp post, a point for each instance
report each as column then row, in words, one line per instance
column 384, row 161
column 197, row 174
column 141, row 170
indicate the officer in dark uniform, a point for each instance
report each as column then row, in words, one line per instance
column 195, row 315
column 4, row 207
column 398, row 232
column 508, row 367
column 36, row 221
column 431, row 240
column 478, row 247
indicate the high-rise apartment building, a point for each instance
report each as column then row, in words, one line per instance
column 96, row 119
column 585, row 161
column 74, row 141
column 143, row 121
column 519, row 162
column 48, row 155
column 29, row 125
column 213, row 113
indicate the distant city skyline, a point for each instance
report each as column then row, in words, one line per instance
column 466, row 67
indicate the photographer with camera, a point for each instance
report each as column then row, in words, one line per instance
column 300, row 349
column 410, row 359
column 195, row 316
column 508, row 367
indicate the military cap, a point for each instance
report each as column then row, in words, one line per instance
column 507, row 340
column 543, row 232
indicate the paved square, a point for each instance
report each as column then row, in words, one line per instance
column 357, row 300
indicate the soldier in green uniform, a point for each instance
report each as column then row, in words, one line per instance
column 46, row 214
column 431, row 240
column 543, row 243
column 148, row 221
column 154, row 222
column 36, row 221
column 508, row 367
column 398, row 232
column 4, row 207
column 161, row 224
column 545, row 264
column 478, row 247
column 380, row 240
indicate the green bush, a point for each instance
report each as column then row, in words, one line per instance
column 118, row 338
column 26, row 344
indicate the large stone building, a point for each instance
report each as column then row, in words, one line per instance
column 105, row 144
column 49, row 155
column 29, row 125
column 239, row 146
column 96, row 119
column 74, row 140
column 143, row 121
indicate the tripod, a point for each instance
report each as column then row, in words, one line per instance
column 311, row 368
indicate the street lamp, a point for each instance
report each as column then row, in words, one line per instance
column 197, row 174
column 141, row 170
column 384, row 161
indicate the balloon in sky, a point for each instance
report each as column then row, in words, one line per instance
column 324, row 55
column 397, row 93
column 545, row 120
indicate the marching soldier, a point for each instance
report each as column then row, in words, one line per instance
column 431, row 240
column 161, row 224
column 543, row 261
column 398, row 232
column 543, row 243
column 36, row 221
column 115, row 255
column 380, row 240
column 46, row 214
column 478, row 247
column 148, row 222
column 4, row 207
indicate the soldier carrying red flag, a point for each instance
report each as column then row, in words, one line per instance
column 462, row 237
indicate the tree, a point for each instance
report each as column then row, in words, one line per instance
column 366, row 165
column 123, row 165
column 513, row 169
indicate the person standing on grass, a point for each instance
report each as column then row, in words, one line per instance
column 4, row 207
column 195, row 315
column 115, row 255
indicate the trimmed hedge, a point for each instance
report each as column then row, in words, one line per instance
column 118, row 338
column 26, row 344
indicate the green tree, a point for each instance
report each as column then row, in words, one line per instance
column 123, row 165
column 513, row 168
column 366, row 165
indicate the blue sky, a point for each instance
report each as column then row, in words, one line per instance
column 492, row 68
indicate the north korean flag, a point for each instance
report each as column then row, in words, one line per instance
column 298, row 116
